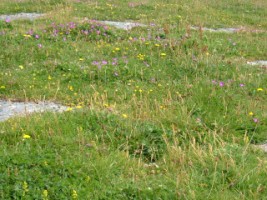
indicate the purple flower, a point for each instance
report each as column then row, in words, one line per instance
column 95, row 63
column 221, row 84
column 104, row 62
column 7, row 20
column 214, row 82
column 37, row 36
column 241, row 85
column 40, row 45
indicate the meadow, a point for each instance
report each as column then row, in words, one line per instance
column 156, row 112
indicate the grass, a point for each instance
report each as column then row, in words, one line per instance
column 158, row 112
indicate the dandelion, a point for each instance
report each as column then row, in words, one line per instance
column 157, row 45
column 117, row 49
column 21, row 67
column 163, row 54
column 124, row 116
column 81, row 59
column 250, row 113
column 25, row 136
column 259, row 89
column 49, row 77
column 79, row 107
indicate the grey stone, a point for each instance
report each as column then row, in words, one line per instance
column 218, row 30
column 263, row 147
column 258, row 62
column 122, row 25
column 9, row 109
column 29, row 16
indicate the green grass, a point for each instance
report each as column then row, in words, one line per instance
column 164, row 114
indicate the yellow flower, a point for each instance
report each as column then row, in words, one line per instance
column 78, row 107
column 117, row 49
column 124, row 116
column 259, row 89
column 81, row 59
column 25, row 136
column 3, row 87
column 163, row 54
column 157, row 45
column 27, row 36
column 21, row 67
column 49, row 77
column 250, row 113
column 70, row 88
column 74, row 194
column 69, row 109
column 45, row 194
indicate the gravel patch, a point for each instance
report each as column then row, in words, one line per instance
column 29, row 16
column 9, row 109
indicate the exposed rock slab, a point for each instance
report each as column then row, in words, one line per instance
column 227, row 30
column 122, row 25
column 29, row 16
column 263, row 147
column 258, row 63
column 9, row 109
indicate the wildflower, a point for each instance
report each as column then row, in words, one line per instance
column 70, row 88
column 81, row 59
column 7, row 20
column 37, row 36
column 74, row 194
column 45, row 194
column 157, row 45
column 21, row 67
column 49, row 77
column 69, row 109
column 124, row 116
column 79, row 107
column 27, row 35
column 241, row 85
column 259, row 89
column 221, row 84
column 2, row 87
column 25, row 188
column 40, row 45
column 250, row 113
column 163, row 54
column 104, row 62
column 255, row 120
column 25, row 136
column 117, row 49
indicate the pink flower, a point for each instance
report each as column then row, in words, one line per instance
column 255, row 120
column 221, row 84
column 40, row 45
column 241, row 85
column 7, row 20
